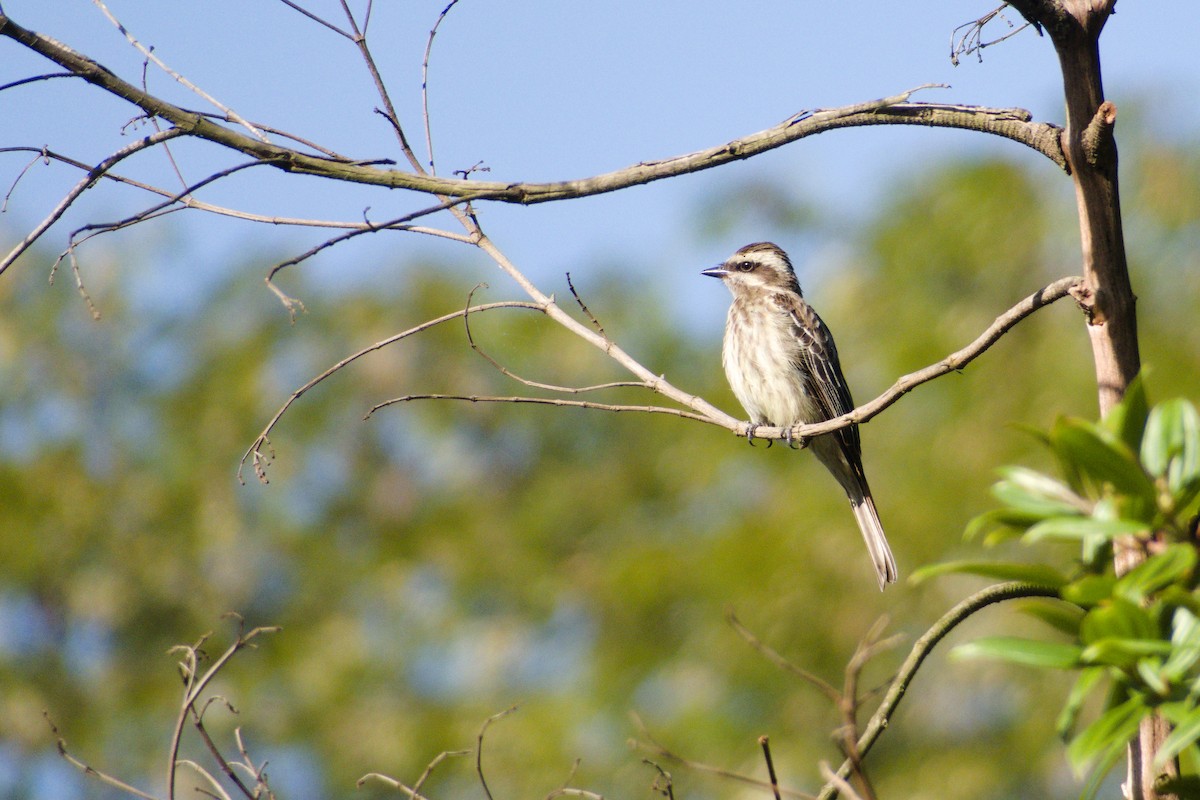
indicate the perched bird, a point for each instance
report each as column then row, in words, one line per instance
column 782, row 364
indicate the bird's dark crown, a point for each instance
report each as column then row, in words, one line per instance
column 761, row 265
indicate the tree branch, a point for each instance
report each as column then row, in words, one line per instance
column 951, row 363
column 1011, row 123
column 920, row 650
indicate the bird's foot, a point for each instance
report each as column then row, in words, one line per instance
column 751, row 427
column 794, row 442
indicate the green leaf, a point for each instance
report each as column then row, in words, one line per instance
column 1090, row 590
column 1032, row 493
column 1187, row 731
column 1185, row 644
column 1031, row 653
column 1088, row 680
column 1112, row 729
column 1063, row 617
column 1127, row 419
column 1008, row 571
column 1116, row 620
column 1076, row 529
column 1171, row 447
column 1008, row 521
column 1102, row 456
column 1158, row 572
column 1123, row 653
column 1150, row 671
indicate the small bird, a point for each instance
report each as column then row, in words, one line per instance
column 783, row 366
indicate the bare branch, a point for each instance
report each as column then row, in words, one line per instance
column 652, row 746
column 951, row 363
column 479, row 747
column 778, row 660
column 1011, row 123
column 838, row 781
column 587, row 312
column 389, row 110
column 545, row 401
column 260, row 459
column 536, row 384
column 149, row 54
column 425, row 83
column 971, row 40
column 92, row 771
column 317, row 19
column 194, row 685
column 765, row 743
column 398, row 224
column 94, row 174
column 916, row 657
column 35, row 78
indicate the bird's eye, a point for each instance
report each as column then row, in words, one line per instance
column 745, row 266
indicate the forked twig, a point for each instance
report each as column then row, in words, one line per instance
column 194, row 685
column 255, row 451
column 916, row 657
column 149, row 54
column 972, row 40
column 534, row 384
column 414, row 791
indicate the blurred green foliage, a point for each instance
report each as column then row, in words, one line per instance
column 443, row 561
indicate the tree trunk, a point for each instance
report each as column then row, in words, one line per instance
column 1074, row 27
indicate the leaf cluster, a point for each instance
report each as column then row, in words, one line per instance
column 1129, row 485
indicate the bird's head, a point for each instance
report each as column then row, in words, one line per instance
column 758, row 267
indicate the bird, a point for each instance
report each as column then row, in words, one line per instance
column 782, row 364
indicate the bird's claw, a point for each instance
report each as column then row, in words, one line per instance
column 751, row 427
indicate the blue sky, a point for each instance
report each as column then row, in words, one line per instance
column 550, row 90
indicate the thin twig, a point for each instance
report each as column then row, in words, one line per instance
column 35, row 78
column 94, row 174
column 389, row 110
column 260, row 460
column 666, row 789
column 399, row 224
column 652, row 746
column 583, row 306
column 535, row 384
column 104, row 778
column 542, row 401
column 838, row 781
column 149, row 54
column 425, row 83
column 778, row 660
column 951, row 363
column 916, row 657
column 765, row 743
column 194, row 685
column 479, row 747
column 972, row 40
column 317, row 19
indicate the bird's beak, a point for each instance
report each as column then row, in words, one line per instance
column 718, row 271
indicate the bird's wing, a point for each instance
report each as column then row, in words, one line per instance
column 822, row 370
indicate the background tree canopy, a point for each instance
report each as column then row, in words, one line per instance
column 440, row 562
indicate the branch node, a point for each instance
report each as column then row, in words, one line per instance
column 1099, row 147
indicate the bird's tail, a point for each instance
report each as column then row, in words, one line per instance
column 877, row 544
